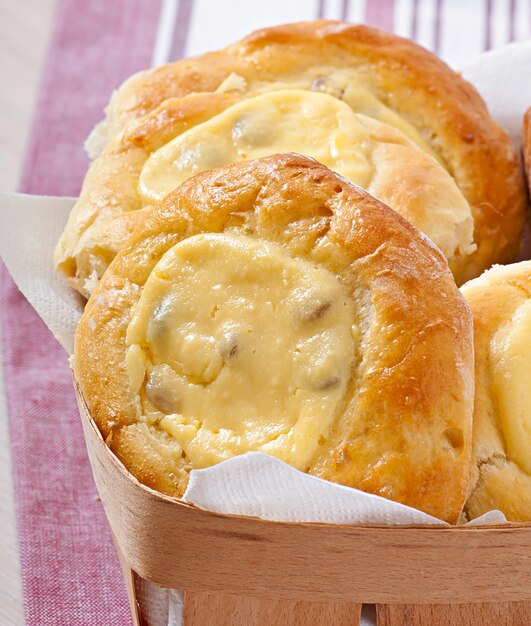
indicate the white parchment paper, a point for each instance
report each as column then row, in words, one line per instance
column 502, row 77
column 253, row 484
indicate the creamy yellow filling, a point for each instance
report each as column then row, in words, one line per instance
column 343, row 84
column 370, row 153
column 235, row 346
column 315, row 124
column 510, row 354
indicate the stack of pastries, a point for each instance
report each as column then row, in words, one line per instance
column 271, row 239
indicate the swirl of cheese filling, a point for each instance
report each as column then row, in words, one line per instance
column 236, row 346
column 315, row 124
column 368, row 152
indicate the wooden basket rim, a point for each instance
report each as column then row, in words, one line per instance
column 181, row 546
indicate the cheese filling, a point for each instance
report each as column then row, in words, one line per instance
column 235, row 346
column 510, row 354
column 315, row 124
column 367, row 152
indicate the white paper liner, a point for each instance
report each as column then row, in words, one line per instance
column 258, row 485
column 30, row 227
column 502, row 78
column 253, row 484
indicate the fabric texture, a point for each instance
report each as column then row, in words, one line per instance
column 70, row 572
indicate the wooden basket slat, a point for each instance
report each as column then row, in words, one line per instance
column 204, row 609
column 486, row 614
column 130, row 586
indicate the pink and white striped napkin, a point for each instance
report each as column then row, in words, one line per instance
column 457, row 30
column 70, row 573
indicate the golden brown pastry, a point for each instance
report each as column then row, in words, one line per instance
column 397, row 117
column 272, row 306
column 500, row 301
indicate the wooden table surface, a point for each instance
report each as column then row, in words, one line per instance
column 25, row 26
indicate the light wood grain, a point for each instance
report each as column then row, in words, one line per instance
column 203, row 609
column 176, row 545
column 24, row 32
column 130, row 585
column 489, row 614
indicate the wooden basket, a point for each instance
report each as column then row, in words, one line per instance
column 242, row 571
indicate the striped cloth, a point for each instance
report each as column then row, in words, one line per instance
column 457, row 30
column 70, row 573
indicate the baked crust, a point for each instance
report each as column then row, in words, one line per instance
column 498, row 482
column 447, row 112
column 403, row 430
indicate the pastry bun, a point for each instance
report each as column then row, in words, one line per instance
column 500, row 301
column 271, row 305
column 428, row 146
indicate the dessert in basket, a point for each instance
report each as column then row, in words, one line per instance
column 272, row 306
column 246, row 298
column 193, row 375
